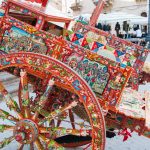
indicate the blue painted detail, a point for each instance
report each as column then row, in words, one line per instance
column 99, row 44
column 19, row 62
column 84, row 97
column 119, row 53
column 20, row 31
column 79, row 36
column 123, row 65
column 4, row 62
column 118, row 59
column 77, row 42
column 1, row 14
column 119, row 118
column 39, row 21
column 105, row 69
column 25, row 11
column 76, row 85
column 96, row 50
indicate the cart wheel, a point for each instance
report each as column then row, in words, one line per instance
column 39, row 121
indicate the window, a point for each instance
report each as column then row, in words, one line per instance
column 144, row 14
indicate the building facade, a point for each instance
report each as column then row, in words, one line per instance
column 137, row 7
column 77, row 7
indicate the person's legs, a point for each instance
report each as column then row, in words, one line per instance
column 127, row 34
column 117, row 33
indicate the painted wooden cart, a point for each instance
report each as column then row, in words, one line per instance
column 67, row 84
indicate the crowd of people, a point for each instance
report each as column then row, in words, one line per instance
column 105, row 27
column 122, row 31
column 137, row 32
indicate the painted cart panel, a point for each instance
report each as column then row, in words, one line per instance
column 106, row 77
column 109, row 46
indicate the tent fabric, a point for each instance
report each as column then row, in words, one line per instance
column 118, row 16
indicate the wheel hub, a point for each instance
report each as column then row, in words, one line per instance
column 26, row 131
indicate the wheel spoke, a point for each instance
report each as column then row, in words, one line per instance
column 55, row 145
column 12, row 104
column 4, row 127
column 59, row 122
column 43, row 98
column 25, row 101
column 6, row 115
column 87, row 146
column 71, row 116
column 19, row 95
column 52, row 123
column 63, row 109
column 20, row 147
column 6, row 141
column 43, row 138
column 51, row 143
column 40, row 111
column 31, row 146
column 60, row 131
column 59, row 112
column 38, row 145
column 79, row 124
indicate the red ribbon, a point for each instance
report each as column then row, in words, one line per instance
column 125, row 133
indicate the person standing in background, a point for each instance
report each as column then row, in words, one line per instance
column 100, row 26
column 138, row 32
column 117, row 28
column 126, row 28
column 105, row 27
column 108, row 28
column 120, row 35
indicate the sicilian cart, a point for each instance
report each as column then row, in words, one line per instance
column 69, row 91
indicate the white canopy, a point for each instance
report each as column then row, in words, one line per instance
column 119, row 17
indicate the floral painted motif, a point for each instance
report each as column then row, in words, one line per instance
column 95, row 74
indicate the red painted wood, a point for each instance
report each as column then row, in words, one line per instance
column 96, row 13
column 71, row 145
column 39, row 11
column 44, row 3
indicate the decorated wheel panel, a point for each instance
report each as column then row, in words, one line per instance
column 39, row 120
